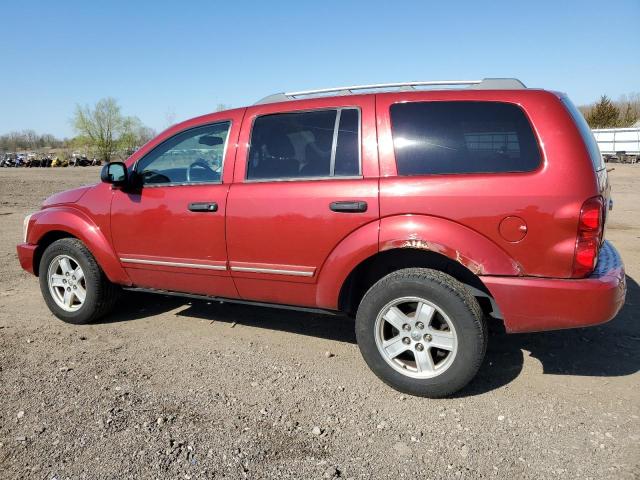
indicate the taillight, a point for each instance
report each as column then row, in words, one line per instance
column 589, row 237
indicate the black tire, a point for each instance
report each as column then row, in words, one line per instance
column 101, row 294
column 453, row 298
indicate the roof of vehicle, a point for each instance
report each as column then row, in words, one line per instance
column 484, row 84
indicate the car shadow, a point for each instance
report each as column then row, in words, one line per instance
column 608, row 350
column 139, row 305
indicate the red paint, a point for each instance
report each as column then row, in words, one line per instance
column 512, row 228
column 290, row 223
column 66, row 197
column 74, row 222
column 155, row 224
column 345, row 257
column 543, row 199
column 26, row 253
column 278, row 241
column 535, row 304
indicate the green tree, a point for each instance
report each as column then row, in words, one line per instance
column 108, row 131
column 604, row 114
column 128, row 141
column 134, row 135
column 102, row 124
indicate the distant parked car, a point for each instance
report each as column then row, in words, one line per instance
column 422, row 213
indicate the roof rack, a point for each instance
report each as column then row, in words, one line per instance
column 485, row 84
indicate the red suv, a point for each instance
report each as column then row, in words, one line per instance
column 421, row 209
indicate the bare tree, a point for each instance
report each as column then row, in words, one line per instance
column 27, row 140
column 15, row 141
column 31, row 139
column 629, row 106
column 169, row 117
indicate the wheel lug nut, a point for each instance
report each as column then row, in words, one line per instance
column 64, row 280
column 73, row 277
column 406, row 340
column 427, row 337
column 68, row 289
column 419, row 347
column 420, row 325
column 406, row 327
column 66, row 274
column 74, row 287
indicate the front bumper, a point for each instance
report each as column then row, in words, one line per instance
column 26, row 253
column 531, row 304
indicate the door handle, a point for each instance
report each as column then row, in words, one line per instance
column 203, row 207
column 356, row 206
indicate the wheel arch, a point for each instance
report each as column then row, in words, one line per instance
column 411, row 241
column 44, row 242
column 458, row 242
column 66, row 222
column 377, row 266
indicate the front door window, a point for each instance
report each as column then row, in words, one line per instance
column 193, row 156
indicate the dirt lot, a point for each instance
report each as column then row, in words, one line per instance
column 170, row 388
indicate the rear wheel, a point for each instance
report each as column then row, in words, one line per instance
column 74, row 287
column 421, row 332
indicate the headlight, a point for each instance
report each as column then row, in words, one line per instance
column 25, row 228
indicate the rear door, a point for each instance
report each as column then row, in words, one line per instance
column 302, row 183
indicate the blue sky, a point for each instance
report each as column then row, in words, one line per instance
column 181, row 59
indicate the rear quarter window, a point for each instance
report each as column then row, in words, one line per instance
column 462, row 137
column 586, row 134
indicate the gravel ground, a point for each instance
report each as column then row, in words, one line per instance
column 174, row 388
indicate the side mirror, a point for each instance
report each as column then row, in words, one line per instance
column 114, row 173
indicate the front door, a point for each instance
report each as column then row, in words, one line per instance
column 170, row 233
column 303, row 182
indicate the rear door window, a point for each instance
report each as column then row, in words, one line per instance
column 305, row 145
column 462, row 137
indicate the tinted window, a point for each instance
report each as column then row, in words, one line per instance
column 586, row 133
column 347, row 162
column 192, row 156
column 462, row 137
column 301, row 145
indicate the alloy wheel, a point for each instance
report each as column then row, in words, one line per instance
column 67, row 283
column 416, row 337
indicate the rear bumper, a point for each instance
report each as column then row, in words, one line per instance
column 26, row 253
column 535, row 304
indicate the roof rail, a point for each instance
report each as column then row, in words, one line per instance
column 485, row 84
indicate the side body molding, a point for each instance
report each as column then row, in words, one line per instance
column 459, row 243
column 76, row 223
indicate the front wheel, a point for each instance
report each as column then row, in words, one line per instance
column 74, row 287
column 421, row 332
